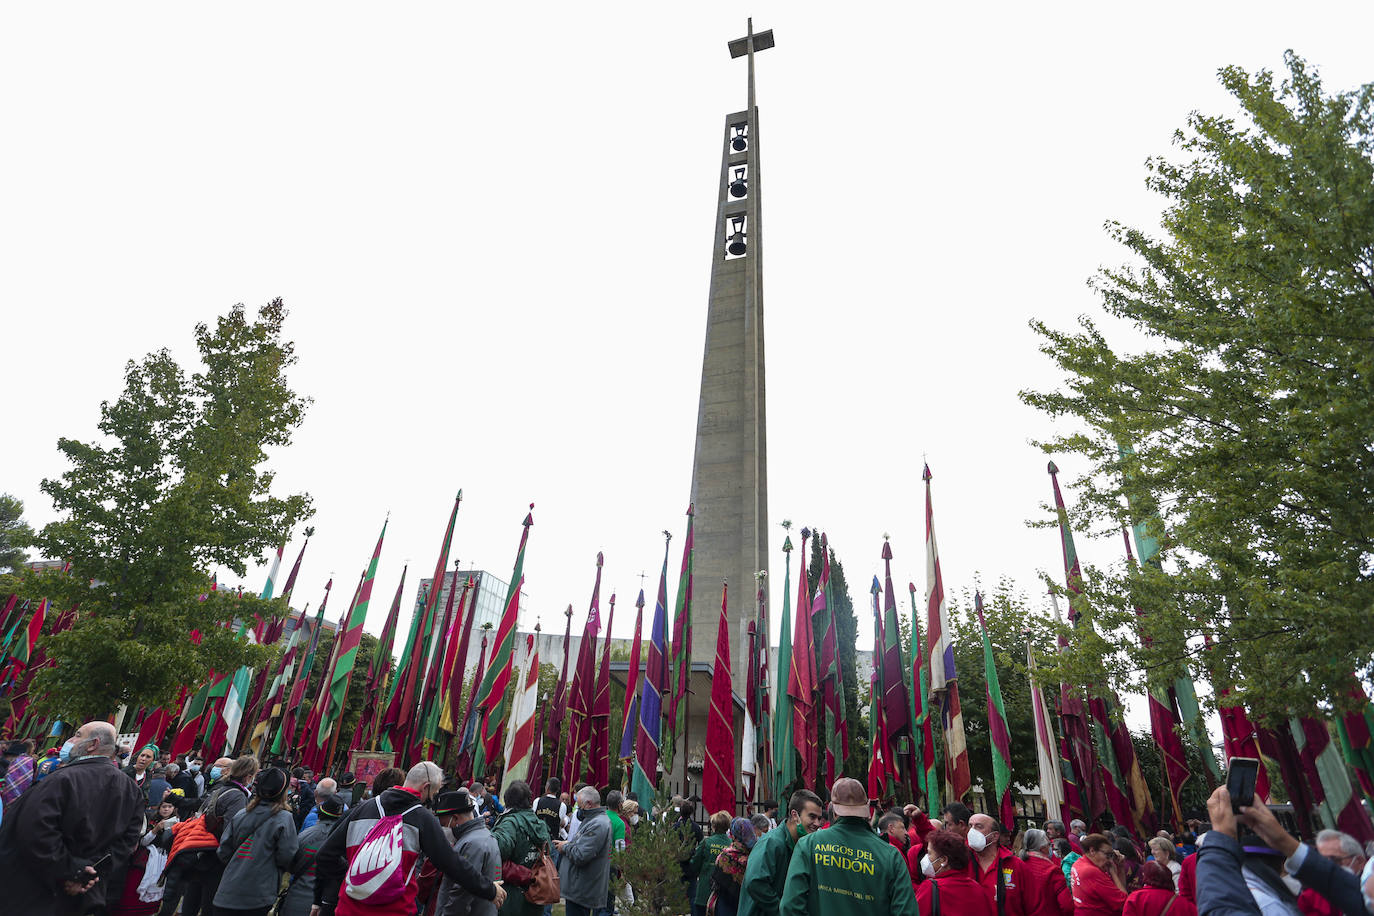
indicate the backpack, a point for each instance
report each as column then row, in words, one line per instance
column 375, row 875
column 214, row 810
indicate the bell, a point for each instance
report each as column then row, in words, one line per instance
column 738, row 188
column 738, row 143
column 736, row 246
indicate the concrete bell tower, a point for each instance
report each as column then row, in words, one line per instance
column 730, row 467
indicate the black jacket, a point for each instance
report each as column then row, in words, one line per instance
column 331, row 862
column 60, row 825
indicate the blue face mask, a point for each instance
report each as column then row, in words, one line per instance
column 65, row 753
column 215, row 772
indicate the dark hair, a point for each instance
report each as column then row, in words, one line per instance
column 519, row 795
column 950, row 846
column 614, row 799
column 958, row 812
column 387, row 779
column 1062, row 847
column 1127, row 850
column 687, row 809
column 890, row 818
column 801, row 798
column 553, row 785
column 1095, row 841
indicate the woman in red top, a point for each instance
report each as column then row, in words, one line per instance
column 946, row 862
column 1157, row 894
column 1046, row 892
column 1098, row 887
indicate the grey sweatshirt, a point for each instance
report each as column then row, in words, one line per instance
column 474, row 842
column 256, row 847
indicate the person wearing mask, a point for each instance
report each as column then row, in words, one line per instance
column 521, row 838
column 300, row 896
column 1098, row 886
column 423, row 836
column 949, row 888
column 230, row 790
column 217, row 772
column 63, row 839
column 473, row 843
column 1163, row 852
column 766, row 874
column 704, row 859
column 196, row 768
column 584, row 872
column 995, row 866
column 728, row 874
column 761, row 824
column 323, row 789
column 630, row 811
column 769, row 809
column 1218, row 852
column 614, row 799
column 847, row 869
column 1157, row 894
column 1077, row 831
column 257, row 846
column 1046, row 891
column 1346, row 853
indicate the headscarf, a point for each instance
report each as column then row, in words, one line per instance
column 742, row 832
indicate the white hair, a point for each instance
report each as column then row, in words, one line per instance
column 326, row 787
column 1349, row 845
column 426, row 772
column 103, row 733
column 588, row 795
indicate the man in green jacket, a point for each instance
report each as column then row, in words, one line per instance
column 704, row 860
column 767, row 868
column 847, row 869
column 522, row 838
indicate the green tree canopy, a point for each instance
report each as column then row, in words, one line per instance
column 176, row 486
column 1240, row 435
column 15, row 533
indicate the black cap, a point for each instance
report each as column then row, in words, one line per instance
column 331, row 806
column 271, row 783
column 459, row 802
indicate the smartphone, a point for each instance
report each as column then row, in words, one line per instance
column 1240, row 782
column 98, row 864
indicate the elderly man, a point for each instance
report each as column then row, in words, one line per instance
column 1054, row 830
column 323, row 789
column 585, row 869
column 421, row 835
column 64, row 837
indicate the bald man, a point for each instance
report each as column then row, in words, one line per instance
column 61, row 842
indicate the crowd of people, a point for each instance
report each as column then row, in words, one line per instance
column 96, row 828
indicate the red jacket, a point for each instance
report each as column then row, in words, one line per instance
column 960, row 895
column 1094, row 892
column 1151, row 901
column 1187, row 878
column 1013, row 880
column 1047, row 893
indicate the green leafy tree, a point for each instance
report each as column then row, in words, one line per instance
column 15, row 534
column 651, row 866
column 176, row 486
column 1239, row 435
column 1011, row 624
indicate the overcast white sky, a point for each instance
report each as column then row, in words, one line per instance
column 492, row 225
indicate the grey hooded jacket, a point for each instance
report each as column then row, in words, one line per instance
column 586, row 867
column 256, row 847
column 474, row 844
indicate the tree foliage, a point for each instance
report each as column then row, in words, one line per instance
column 1240, row 436
column 176, row 486
column 15, row 533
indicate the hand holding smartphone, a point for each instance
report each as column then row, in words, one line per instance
column 1240, row 782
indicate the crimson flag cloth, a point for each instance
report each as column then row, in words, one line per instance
column 896, row 701
column 718, row 776
column 644, row 780
column 584, row 685
column 832, row 684
column 285, row 739
column 801, row 678
column 467, row 741
column 599, row 743
column 628, row 722
column 553, row 724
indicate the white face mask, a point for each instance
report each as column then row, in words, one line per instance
column 976, row 840
column 634, row 818
column 927, row 867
